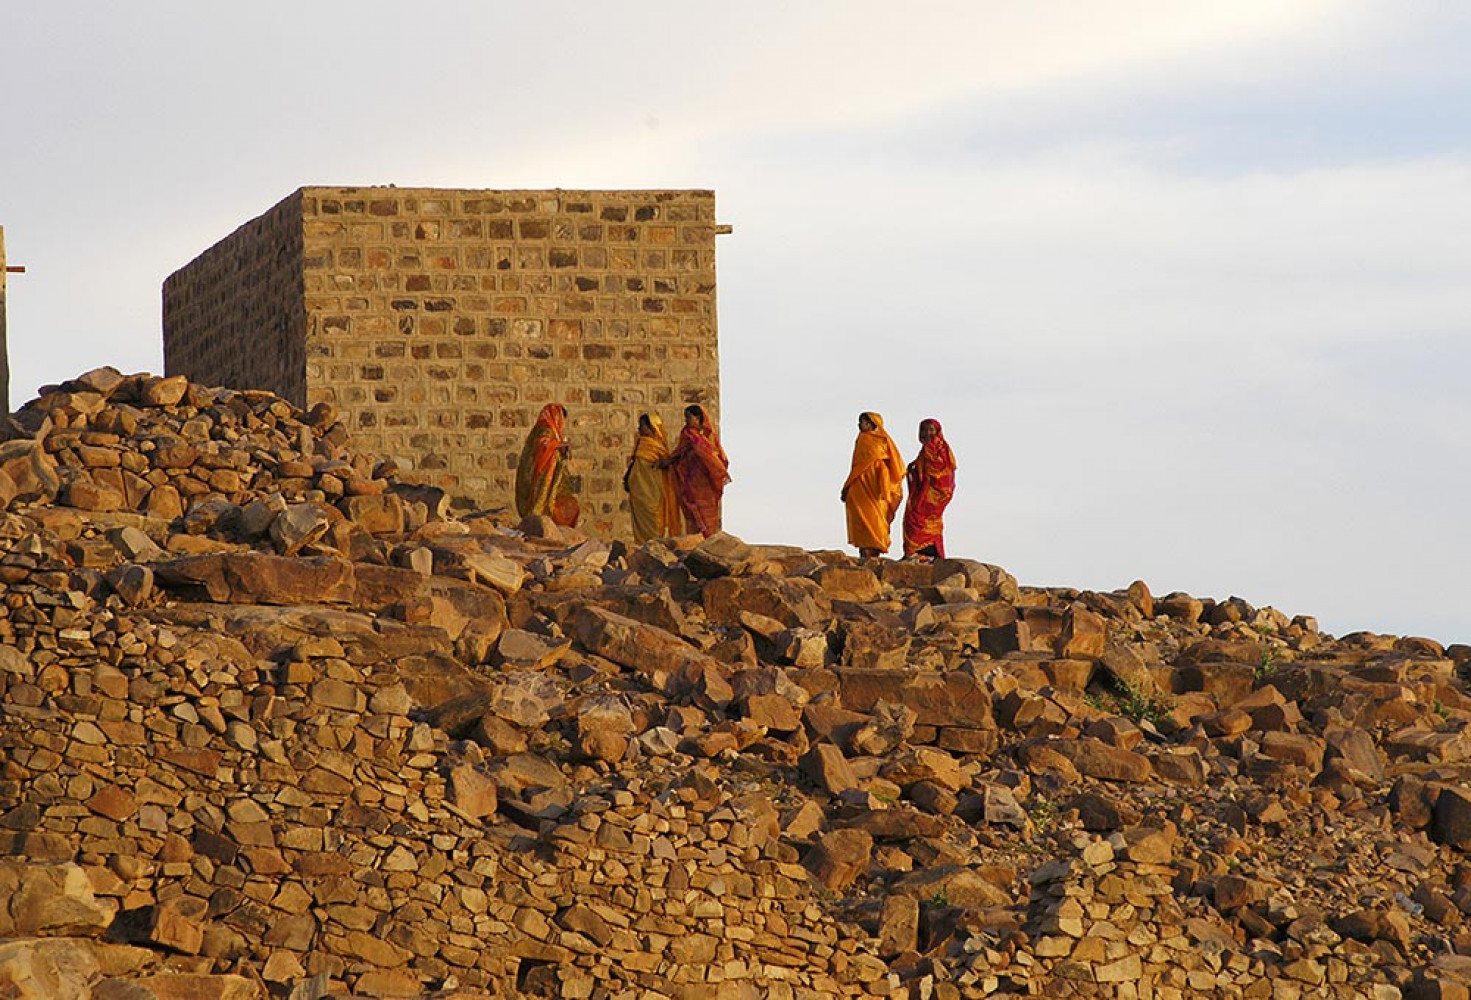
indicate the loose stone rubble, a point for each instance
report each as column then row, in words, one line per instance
column 275, row 726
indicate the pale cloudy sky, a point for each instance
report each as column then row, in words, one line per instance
column 1186, row 282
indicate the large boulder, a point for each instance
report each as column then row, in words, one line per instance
column 652, row 652
column 1451, row 818
column 952, row 698
column 27, row 473
column 48, row 899
column 48, row 969
column 795, row 602
column 258, row 578
column 721, row 554
column 839, row 858
column 1096, row 759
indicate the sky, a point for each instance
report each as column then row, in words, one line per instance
column 1185, row 282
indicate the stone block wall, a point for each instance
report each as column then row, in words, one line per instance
column 439, row 322
column 236, row 314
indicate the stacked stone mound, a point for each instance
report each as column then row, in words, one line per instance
column 274, row 727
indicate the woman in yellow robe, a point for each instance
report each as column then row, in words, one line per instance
column 874, row 489
column 652, row 498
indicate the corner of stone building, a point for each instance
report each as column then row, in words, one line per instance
column 235, row 315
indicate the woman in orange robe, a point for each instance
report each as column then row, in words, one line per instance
column 701, row 470
column 931, row 479
column 653, row 500
column 541, row 475
column 873, row 492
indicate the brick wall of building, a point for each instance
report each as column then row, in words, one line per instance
column 439, row 322
column 236, row 315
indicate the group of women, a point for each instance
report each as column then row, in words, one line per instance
column 676, row 490
column 874, row 490
column 671, row 491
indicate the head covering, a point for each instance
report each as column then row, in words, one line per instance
column 700, row 412
column 652, row 447
column 875, row 448
column 706, row 443
column 554, row 417
column 936, row 453
column 550, row 433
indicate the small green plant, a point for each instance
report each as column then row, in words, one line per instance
column 550, row 741
column 1043, row 814
column 1149, row 705
column 939, row 898
column 1134, row 702
column 1267, row 668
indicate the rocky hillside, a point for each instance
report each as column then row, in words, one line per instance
column 275, row 726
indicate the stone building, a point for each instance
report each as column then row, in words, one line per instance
column 439, row 322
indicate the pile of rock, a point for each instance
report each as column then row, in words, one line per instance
column 1101, row 916
column 275, row 726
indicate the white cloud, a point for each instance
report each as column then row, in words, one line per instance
column 842, row 63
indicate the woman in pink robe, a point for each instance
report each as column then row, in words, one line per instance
column 701, row 470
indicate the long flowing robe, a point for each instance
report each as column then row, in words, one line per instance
column 541, row 475
column 873, row 491
column 701, row 470
column 652, row 494
column 931, row 478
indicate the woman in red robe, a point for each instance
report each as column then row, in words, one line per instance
column 541, row 474
column 931, row 478
column 701, row 470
